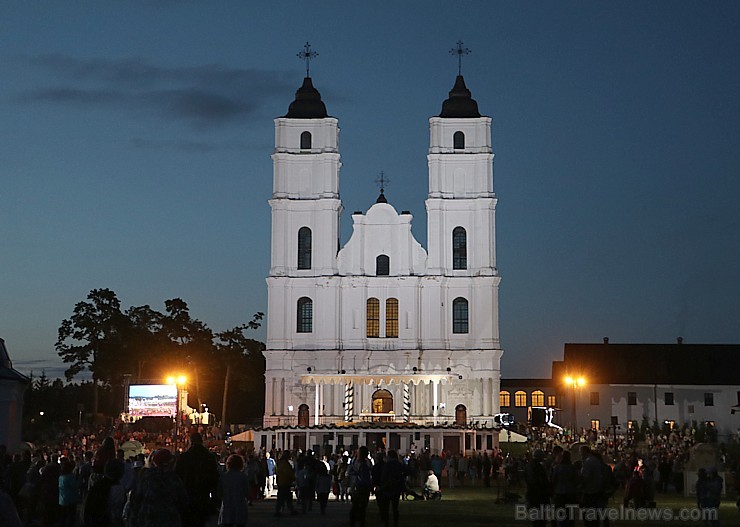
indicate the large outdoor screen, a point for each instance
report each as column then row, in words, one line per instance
column 152, row 400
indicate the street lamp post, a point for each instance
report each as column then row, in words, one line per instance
column 178, row 381
column 574, row 382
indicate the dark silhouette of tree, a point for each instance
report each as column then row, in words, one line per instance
column 146, row 340
column 92, row 338
column 234, row 349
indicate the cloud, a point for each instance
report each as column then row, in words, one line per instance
column 202, row 95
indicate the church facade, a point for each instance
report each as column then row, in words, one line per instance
column 381, row 341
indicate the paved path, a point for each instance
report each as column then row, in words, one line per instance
column 262, row 514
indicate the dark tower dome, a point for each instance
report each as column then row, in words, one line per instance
column 307, row 103
column 461, row 102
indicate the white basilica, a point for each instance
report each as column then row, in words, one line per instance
column 382, row 342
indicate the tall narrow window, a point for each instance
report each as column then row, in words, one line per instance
column 458, row 141
column 391, row 318
column 504, row 399
column 594, row 398
column 459, row 248
column 373, row 318
column 382, row 265
column 461, row 415
column 305, row 315
column 552, row 401
column 520, row 398
column 538, row 398
column 303, row 415
column 306, row 141
column 304, row 248
column 460, row 315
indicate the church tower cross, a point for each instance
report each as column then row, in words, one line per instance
column 460, row 50
column 308, row 55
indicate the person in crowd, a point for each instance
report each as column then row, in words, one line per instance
column 198, row 470
column 253, row 477
column 635, row 486
column 565, row 481
column 361, row 475
column 159, row 498
column 390, row 487
column 592, row 482
column 285, row 477
column 69, row 494
column 234, row 491
column 538, row 485
column 270, row 471
column 8, row 513
column 343, row 478
column 431, row 486
column 49, row 491
column 106, row 498
column 105, row 453
column 323, row 485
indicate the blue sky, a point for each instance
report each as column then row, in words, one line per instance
column 135, row 146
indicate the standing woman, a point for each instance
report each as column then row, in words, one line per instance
column 234, row 492
column 69, row 494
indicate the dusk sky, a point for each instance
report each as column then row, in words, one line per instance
column 135, row 142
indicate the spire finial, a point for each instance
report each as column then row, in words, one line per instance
column 460, row 50
column 382, row 180
column 307, row 54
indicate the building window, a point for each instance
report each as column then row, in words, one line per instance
column 708, row 399
column 304, row 248
column 305, row 315
column 671, row 424
column 461, row 415
column 595, row 424
column 668, row 398
column 632, row 398
column 382, row 265
column 459, row 248
column 632, row 425
column 391, row 318
column 594, row 398
column 373, row 317
column 303, row 415
column 520, row 399
column 458, row 140
column 460, row 315
column 552, row 401
column 504, row 399
column 306, row 141
column 538, row 398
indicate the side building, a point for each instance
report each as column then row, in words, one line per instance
column 13, row 384
column 382, row 342
column 667, row 384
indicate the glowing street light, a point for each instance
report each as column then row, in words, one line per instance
column 574, row 382
column 179, row 381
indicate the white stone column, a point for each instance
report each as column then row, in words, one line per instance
column 435, row 404
column 317, row 407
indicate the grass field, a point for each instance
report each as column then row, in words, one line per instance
column 466, row 507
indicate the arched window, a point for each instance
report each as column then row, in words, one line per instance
column 391, row 318
column 382, row 265
column 504, row 399
column 459, row 248
column 538, row 398
column 303, row 415
column 306, row 141
column 461, row 415
column 458, row 141
column 373, row 318
column 305, row 315
column 520, row 398
column 304, row 248
column 460, row 315
column 382, row 402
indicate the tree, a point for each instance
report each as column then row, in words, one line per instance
column 146, row 338
column 91, row 339
column 233, row 348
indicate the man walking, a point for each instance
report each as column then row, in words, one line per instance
column 198, row 470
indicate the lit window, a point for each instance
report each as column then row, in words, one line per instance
column 458, row 141
column 459, row 248
column 306, row 141
column 373, row 318
column 520, row 399
column 304, row 248
column 382, row 265
column 552, row 401
column 391, row 318
column 594, row 398
column 538, row 398
column 504, row 399
column 460, row 315
column 595, row 424
column 305, row 315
